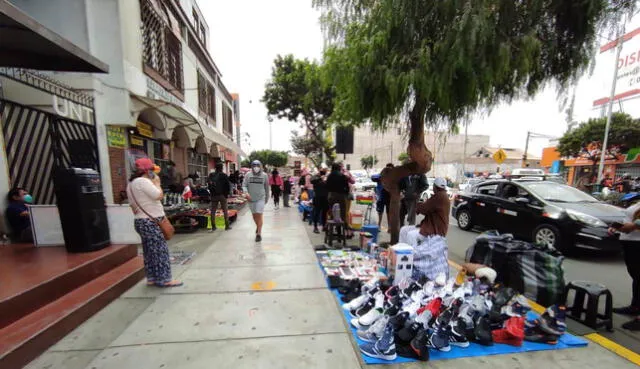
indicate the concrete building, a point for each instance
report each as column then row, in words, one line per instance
column 163, row 96
column 387, row 146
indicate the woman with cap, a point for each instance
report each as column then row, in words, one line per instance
column 145, row 196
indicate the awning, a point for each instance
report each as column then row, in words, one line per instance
column 25, row 43
column 187, row 120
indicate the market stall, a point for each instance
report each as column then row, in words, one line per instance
column 409, row 320
column 189, row 217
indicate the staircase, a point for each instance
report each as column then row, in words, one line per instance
column 46, row 292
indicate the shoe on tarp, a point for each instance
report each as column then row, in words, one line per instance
column 384, row 348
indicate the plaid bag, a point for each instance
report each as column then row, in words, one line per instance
column 491, row 249
column 537, row 272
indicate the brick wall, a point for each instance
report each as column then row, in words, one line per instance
column 118, row 172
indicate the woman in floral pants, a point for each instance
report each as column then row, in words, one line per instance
column 145, row 195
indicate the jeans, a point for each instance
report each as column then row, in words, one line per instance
column 222, row 200
column 631, row 258
column 320, row 209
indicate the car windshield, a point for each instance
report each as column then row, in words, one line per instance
column 556, row 192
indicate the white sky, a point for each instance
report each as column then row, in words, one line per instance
column 246, row 36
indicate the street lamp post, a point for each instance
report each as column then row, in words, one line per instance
column 620, row 41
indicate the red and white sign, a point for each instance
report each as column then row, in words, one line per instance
column 628, row 82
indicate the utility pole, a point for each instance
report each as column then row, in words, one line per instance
column 526, row 148
column 464, row 148
column 620, row 40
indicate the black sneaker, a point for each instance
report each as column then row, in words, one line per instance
column 357, row 313
column 398, row 321
column 633, row 325
column 482, row 331
column 258, row 238
column 553, row 320
column 535, row 334
column 458, row 336
column 627, row 310
column 407, row 334
column 228, row 228
column 417, row 349
column 439, row 339
column 350, row 287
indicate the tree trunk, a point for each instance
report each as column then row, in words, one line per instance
column 419, row 163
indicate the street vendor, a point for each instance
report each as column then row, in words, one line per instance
column 428, row 239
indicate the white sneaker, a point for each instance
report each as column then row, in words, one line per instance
column 367, row 319
column 356, row 303
column 370, row 285
column 429, row 288
column 441, row 279
column 379, row 297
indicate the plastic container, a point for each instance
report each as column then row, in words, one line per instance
column 356, row 219
column 373, row 229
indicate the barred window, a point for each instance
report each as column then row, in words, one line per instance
column 227, row 120
column 161, row 49
column 206, row 96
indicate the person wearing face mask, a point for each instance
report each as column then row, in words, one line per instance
column 256, row 189
column 18, row 215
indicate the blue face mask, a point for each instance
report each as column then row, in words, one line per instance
column 27, row 199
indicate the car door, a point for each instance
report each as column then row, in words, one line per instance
column 483, row 206
column 515, row 214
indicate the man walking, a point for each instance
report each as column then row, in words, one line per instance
column 428, row 240
column 411, row 187
column 220, row 189
column 286, row 193
column 256, row 189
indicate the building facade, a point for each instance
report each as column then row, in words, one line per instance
column 163, row 96
column 387, row 146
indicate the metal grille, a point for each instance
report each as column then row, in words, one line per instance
column 161, row 49
column 206, row 96
column 38, row 142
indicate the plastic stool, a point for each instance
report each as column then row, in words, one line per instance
column 373, row 229
column 592, row 292
column 335, row 230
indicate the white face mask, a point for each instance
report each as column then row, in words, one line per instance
column 256, row 170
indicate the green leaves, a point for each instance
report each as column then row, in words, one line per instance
column 454, row 56
column 270, row 158
column 624, row 132
column 368, row 162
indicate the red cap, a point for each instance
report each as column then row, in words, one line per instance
column 144, row 165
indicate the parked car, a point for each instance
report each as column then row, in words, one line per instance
column 468, row 183
column 429, row 191
column 364, row 184
column 539, row 211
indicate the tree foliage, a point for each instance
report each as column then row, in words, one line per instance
column 270, row 158
column 308, row 147
column 368, row 162
column 296, row 93
column 246, row 163
column 585, row 140
column 450, row 57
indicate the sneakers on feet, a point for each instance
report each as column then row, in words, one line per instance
column 627, row 310
column 258, row 238
column 553, row 321
column 384, row 348
column 633, row 325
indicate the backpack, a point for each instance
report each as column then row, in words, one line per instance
column 302, row 181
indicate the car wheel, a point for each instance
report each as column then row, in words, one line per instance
column 547, row 234
column 464, row 219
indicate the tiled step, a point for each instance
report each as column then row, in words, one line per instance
column 34, row 277
column 28, row 337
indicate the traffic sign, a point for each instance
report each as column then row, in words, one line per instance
column 500, row 156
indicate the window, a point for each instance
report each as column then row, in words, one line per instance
column 206, row 97
column 198, row 166
column 203, row 35
column 196, row 19
column 161, row 49
column 227, row 120
column 488, row 189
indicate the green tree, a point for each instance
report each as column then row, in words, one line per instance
column 270, row 158
column 403, row 158
column 307, row 147
column 246, row 163
column 368, row 162
column 436, row 61
column 296, row 92
column 580, row 141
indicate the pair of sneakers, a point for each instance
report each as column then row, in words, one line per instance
column 548, row 327
column 383, row 348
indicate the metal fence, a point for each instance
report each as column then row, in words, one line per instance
column 38, row 142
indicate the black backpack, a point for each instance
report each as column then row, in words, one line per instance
column 302, row 181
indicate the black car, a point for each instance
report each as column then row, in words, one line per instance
column 541, row 212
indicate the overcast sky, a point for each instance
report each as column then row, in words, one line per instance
column 246, row 36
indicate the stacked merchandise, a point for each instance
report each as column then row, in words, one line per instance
column 341, row 265
column 413, row 317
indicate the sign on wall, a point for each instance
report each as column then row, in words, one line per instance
column 116, row 137
column 137, row 141
column 628, row 64
column 144, row 129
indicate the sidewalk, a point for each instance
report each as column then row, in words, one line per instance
column 247, row 305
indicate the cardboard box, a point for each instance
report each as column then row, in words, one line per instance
column 400, row 264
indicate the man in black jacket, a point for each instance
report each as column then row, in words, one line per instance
column 220, row 189
column 411, row 187
column 338, row 189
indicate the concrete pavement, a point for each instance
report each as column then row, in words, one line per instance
column 247, row 305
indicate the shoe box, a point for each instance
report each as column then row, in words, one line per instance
column 400, row 263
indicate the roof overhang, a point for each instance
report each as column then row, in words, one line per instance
column 25, row 43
